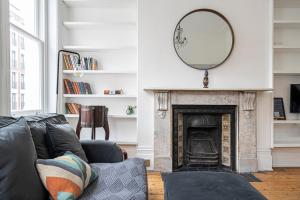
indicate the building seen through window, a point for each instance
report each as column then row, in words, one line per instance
column 26, row 55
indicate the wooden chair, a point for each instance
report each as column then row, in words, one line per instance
column 94, row 117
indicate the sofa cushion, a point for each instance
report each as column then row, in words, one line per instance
column 118, row 181
column 18, row 176
column 4, row 121
column 37, row 124
column 65, row 177
column 62, row 138
column 46, row 118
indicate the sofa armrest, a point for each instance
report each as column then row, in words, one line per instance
column 98, row 151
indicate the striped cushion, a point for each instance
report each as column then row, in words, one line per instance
column 65, row 177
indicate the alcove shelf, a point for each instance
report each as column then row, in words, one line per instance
column 287, row 145
column 286, row 71
column 97, row 25
column 100, row 3
column 286, row 121
column 105, row 30
column 87, row 48
column 91, row 72
column 115, row 116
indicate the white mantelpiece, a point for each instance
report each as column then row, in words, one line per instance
column 245, row 100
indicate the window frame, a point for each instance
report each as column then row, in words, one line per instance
column 39, row 37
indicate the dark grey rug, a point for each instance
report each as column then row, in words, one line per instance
column 202, row 185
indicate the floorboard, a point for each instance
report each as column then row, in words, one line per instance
column 282, row 183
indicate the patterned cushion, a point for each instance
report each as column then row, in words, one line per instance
column 125, row 180
column 65, row 177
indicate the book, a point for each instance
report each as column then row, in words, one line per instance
column 87, row 63
column 73, row 87
column 72, row 108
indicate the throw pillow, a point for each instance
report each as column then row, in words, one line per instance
column 39, row 138
column 65, row 177
column 19, row 178
column 37, row 125
column 61, row 138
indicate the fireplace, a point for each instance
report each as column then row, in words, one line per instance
column 204, row 137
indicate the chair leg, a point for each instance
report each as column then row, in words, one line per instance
column 93, row 133
column 125, row 154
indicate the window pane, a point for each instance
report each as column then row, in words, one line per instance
column 23, row 14
column 13, row 101
column 26, row 73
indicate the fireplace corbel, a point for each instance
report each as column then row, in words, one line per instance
column 248, row 101
column 162, row 101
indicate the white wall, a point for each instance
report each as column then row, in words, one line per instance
column 250, row 65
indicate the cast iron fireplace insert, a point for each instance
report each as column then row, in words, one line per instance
column 204, row 137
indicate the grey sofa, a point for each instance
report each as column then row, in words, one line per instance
column 119, row 179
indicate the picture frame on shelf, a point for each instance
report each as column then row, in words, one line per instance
column 279, row 111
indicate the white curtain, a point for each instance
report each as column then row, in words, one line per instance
column 4, row 59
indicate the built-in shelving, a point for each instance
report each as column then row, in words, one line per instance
column 281, row 4
column 98, row 48
column 287, row 47
column 101, row 3
column 287, row 144
column 98, row 25
column 116, row 116
column 286, row 121
column 286, row 71
column 287, row 24
column 90, row 72
column 105, row 30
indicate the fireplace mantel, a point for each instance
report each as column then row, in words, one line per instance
column 244, row 99
column 157, row 89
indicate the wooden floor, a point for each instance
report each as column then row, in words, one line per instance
column 281, row 184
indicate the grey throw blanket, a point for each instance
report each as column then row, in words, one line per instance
column 125, row 180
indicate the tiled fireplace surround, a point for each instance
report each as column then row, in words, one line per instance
column 245, row 102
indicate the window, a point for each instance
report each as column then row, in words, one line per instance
column 14, row 101
column 22, row 101
column 13, row 59
column 14, row 80
column 22, row 61
column 22, row 43
column 23, row 82
column 13, row 39
column 27, row 57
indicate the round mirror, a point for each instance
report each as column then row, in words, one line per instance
column 203, row 39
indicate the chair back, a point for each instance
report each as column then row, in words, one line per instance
column 93, row 117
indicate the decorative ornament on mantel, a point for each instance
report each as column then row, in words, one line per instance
column 205, row 79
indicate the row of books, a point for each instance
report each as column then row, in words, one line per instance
column 72, row 108
column 87, row 63
column 73, row 87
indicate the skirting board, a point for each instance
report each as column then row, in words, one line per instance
column 286, row 157
column 264, row 160
column 147, row 154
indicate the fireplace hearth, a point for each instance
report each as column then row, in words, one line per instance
column 204, row 137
